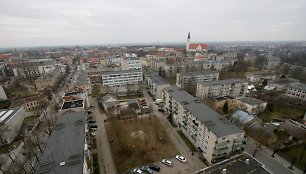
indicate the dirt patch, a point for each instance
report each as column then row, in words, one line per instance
column 138, row 142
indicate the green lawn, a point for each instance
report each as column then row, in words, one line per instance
column 296, row 151
column 188, row 143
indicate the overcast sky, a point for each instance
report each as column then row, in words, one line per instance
column 71, row 22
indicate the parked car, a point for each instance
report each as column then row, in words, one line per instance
column 93, row 126
column 181, row 158
column 154, row 167
column 167, row 162
column 146, row 169
column 138, row 171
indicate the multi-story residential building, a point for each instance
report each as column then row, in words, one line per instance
column 94, row 75
column 47, row 80
column 250, row 104
column 156, row 84
column 217, row 137
column 131, row 63
column 121, row 78
column 195, row 77
column 67, row 147
column 33, row 68
column 83, row 82
column 231, row 87
column 297, row 92
column 10, row 124
column 30, row 103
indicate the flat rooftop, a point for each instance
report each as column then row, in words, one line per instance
column 210, row 118
column 250, row 100
column 64, row 152
column 6, row 115
column 73, row 104
column 158, row 80
column 241, row 164
column 121, row 72
column 223, row 82
column 301, row 86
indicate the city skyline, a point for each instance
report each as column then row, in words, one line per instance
column 51, row 23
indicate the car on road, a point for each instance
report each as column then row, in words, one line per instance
column 167, row 162
column 181, row 158
column 138, row 171
column 146, row 169
column 154, row 167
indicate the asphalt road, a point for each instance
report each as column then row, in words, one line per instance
column 106, row 163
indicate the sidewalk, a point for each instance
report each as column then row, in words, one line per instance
column 275, row 164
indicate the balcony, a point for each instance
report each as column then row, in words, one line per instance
column 222, row 143
column 220, row 151
column 216, row 155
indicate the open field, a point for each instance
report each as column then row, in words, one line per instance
column 299, row 152
column 139, row 141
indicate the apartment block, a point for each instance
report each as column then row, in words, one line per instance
column 121, row 78
column 10, row 123
column 67, row 147
column 216, row 137
column 297, row 91
column 230, row 87
column 47, row 80
column 156, row 84
column 131, row 63
column 182, row 79
column 33, row 68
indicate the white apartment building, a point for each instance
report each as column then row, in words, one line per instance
column 297, row 91
column 195, row 77
column 230, row 87
column 156, row 84
column 131, row 63
column 10, row 122
column 217, row 137
column 121, row 78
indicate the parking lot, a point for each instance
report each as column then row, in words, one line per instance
column 177, row 167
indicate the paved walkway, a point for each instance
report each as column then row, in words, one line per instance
column 276, row 165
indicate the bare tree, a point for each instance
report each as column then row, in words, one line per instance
column 31, row 147
column 2, row 163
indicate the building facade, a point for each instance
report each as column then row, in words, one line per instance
column 231, row 87
column 250, row 104
column 297, row 92
column 217, row 137
column 195, row 77
column 31, row 104
column 156, row 84
column 131, row 63
column 121, row 78
column 47, row 80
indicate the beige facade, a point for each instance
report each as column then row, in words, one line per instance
column 182, row 79
column 47, row 80
column 231, row 87
column 217, row 137
column 156, row 84
column 297, row 91
column 31, row 103
column 250, row 104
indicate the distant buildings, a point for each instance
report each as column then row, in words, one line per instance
column 10, row 124
column 67, row 149
column 183, row 79
column 217, row 137
column 131, row 63
column 231, row 87
column 32, row 68
column 156, row 84
column 297, row 92
column 273, row 62
column 195, row 47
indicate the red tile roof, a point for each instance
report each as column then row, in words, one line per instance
column 195, row 46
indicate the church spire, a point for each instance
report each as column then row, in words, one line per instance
column 188, row 37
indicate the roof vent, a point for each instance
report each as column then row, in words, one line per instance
column 62, row 164
column 247, row 161
column 224, row 171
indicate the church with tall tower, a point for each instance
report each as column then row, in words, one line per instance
column 195, row 47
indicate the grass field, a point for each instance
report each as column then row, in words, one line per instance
column 296, row 151
column 138, row 142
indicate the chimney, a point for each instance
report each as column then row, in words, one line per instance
column 223, row 171
column 247, row 161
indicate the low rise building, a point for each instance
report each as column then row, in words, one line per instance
column 230, row 87
column 250, row 104
column 282, row 84
column 82, row 81
column 297, row 92
column 121, row 78
column 47, row 80
column 30, row 104
column 75, row 99
column 67, row 147
column 131, row 63
column 156, row 84
column 182, row 79
column 207, row 130
column 10, row 124
column 296, row 130
column 242, row 117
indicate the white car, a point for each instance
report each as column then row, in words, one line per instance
column 181, row 158
column 167, row 162
column 137, row 171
